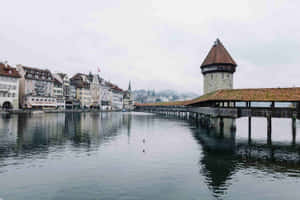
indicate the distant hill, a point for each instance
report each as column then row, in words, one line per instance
column 148, row 96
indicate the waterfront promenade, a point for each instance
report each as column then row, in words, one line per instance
column 33, row 111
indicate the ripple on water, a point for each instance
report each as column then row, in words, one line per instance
column 92, row 156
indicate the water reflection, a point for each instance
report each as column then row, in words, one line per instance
column 225, row 155
column 215, row 163
column 27, row 135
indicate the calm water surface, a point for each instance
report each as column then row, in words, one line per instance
column 141, row 156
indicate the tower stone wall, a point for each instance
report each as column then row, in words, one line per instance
column 216, row 81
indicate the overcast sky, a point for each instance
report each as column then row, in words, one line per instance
column 157, row 44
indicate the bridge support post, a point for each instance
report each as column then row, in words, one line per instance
column 221, row 126
column 269, row 129
column 249, row 129
column 294, row 129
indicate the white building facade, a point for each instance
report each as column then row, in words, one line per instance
column 117, row 98
column 105, row 96
column 36, row 88
column 58, row 92
column 9, row 87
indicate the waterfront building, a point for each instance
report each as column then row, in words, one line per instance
column 83, row 92
column 69, row 92
column 95, row 88
column 58, row 92
column 105, row 95
column 36, row 88
column 218, row 68
column 128, row 99
column 9, row 87
column 72, row 102
column 65, row 82
column 117, row 97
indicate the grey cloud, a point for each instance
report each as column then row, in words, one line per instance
column 156, row 44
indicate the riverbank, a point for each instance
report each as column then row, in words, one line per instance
column 20, row 111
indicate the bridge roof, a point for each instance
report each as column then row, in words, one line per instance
column 171, row 103
column 218, row 55
column 260, row 94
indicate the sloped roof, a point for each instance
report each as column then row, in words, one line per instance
column 62, row 75
column 37, row 74
column 57, row 79
column 79, row 81
column 259, row 94
column 6, row 70
column 218, row 55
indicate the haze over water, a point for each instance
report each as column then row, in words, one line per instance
column 143, row 156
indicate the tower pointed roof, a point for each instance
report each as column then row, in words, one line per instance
column 218, row 55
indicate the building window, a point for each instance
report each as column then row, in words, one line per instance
column 211, row 76
column 222, row 75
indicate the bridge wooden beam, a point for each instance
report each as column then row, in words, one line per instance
column 249, row 129
column 294, row 130
column 269, row 129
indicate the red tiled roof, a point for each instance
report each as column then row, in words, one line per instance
column 260, row 94
column 37, row 74
column 171, row 103
column 8, row 71
column 218, row 55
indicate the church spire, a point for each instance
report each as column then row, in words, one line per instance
column 129, row 86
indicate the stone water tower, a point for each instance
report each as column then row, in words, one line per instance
column 218, row 68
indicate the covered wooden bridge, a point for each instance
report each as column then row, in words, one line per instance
column 235, row 103
column 277, row 102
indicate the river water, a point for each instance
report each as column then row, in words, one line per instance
column 142, row 156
